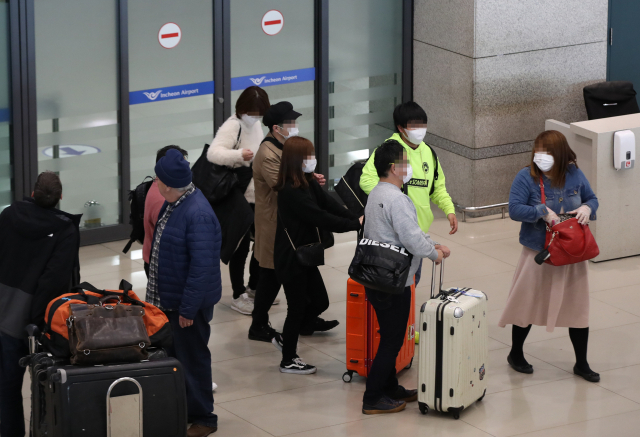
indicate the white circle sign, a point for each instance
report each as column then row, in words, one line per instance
column 272, row 22
column 169, row 35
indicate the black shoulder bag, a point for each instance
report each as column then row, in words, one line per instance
column 215, row 181
column 380, row 266
column 309, row 255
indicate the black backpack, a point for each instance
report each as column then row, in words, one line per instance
column 137, row 197
column 349, row 188
column 352, row 195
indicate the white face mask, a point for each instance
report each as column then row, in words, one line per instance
column 309, row 165
column 416, row 135
column 293, row 132
column 543, row 161
column 406, row 178
column 250, row 119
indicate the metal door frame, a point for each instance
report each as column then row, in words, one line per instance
column 24, row 104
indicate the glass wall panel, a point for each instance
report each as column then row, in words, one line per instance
column 77, row 100
column 272, row 46
column 6, row 169
column 365, row 78
column 170, row 79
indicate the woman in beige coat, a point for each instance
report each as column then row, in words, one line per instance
column 547, row 295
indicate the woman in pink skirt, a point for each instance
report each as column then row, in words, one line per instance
column 547, row 295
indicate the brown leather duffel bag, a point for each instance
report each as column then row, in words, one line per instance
column 107, row 332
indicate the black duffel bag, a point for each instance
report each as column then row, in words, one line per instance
column 380, row 266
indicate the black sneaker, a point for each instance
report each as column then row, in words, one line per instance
column 264, row 333
column 384, row 406
column 320, row 325
column 277, row 341
column 297, row 366
column 402, row 394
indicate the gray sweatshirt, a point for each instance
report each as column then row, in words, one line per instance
column 391, row 217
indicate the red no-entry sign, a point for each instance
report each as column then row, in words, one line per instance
column 169, row 35
column 272, row 22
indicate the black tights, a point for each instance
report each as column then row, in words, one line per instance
column 579, row 338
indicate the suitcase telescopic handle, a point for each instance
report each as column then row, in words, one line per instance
column 433, row 278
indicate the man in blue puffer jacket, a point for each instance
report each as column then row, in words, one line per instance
column 184, row 281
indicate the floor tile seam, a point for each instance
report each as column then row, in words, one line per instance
column 119, row 252
column 469, row 244
column 365, row 417
column 618, row 394
column 275, row 350
column 568, row 424
column 138, row 266
column 479, row 429
column 244, row 356
column 244, row 420
column 492, row 257
column 324, row 353
column 614, row 288
column 281, row 391
column 619, row 309
column 563, row 378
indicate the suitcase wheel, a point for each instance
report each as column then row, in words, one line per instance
column 410, row 364
column 348, row 376
column 424, row 408
column 455, row 412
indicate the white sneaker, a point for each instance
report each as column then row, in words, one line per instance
column 243, row 304
column 252, row 294
column 214, row 386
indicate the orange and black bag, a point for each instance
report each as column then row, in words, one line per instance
column 55, row 335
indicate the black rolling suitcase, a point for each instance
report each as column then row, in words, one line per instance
column 125, row 400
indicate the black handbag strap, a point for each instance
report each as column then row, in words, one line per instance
column 291, row 241
column 235, row 147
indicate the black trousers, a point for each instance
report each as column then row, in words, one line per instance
column 306, row 299
column 236, row 267
column 266, row 293
column 190, row 347
column 393, row 314
column 11, row 376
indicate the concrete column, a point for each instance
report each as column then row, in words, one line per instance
column 490, row 72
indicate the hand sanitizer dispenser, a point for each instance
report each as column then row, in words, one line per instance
column 624, row 150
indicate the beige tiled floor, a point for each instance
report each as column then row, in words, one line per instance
column 254, row 399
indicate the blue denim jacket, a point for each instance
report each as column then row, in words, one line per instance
column 525, row 203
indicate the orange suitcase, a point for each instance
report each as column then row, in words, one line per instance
column 363, row 337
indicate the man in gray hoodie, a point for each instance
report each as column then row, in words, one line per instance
column 390, row 217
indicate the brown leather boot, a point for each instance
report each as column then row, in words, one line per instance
column 197, row 430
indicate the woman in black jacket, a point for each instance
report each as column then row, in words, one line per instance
column 304, row 210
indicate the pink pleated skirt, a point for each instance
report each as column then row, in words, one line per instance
column 547, row 295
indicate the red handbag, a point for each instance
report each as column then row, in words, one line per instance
column 568, row 242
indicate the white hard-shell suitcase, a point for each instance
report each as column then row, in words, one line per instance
column 453, row 349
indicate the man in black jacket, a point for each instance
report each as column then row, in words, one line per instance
column 39, row 260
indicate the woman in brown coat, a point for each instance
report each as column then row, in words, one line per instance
column 547, row 295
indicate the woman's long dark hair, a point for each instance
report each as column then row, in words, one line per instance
column 295, row 150
column 556, row 145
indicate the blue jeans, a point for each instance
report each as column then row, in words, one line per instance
column 393, row 312
column 11, row 376
column 190, row 347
